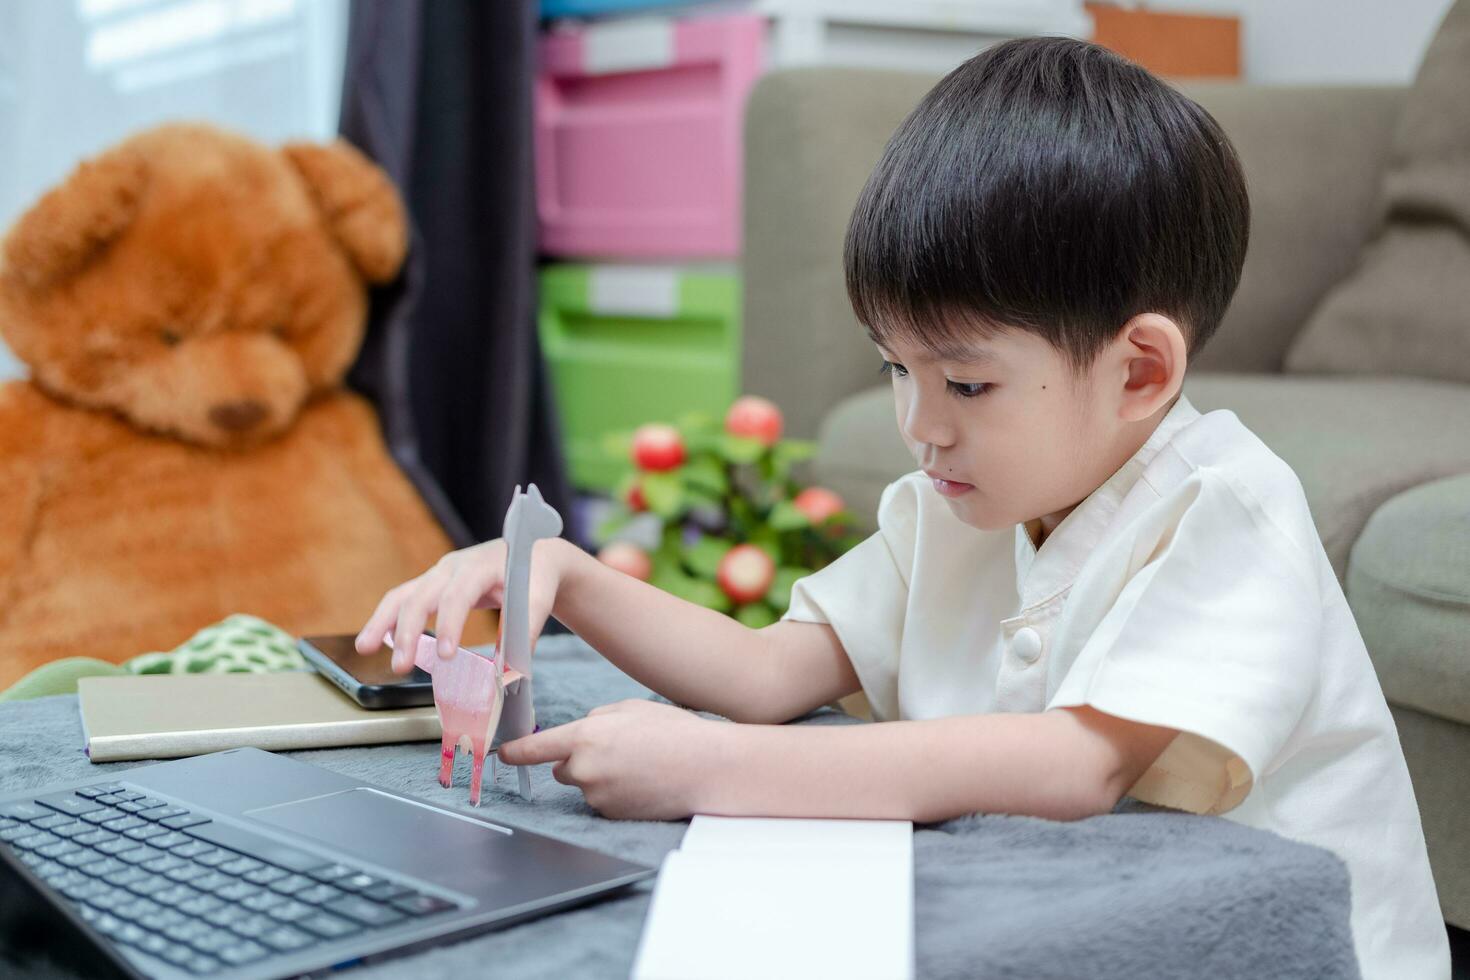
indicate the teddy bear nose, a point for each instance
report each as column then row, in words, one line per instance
column 237, row 416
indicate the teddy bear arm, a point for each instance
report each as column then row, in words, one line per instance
column 21, row 492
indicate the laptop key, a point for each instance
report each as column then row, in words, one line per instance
column 329, row 926
column 200, row 905
column 364, row 911
column 290, row 911
column 164, row 862
column 102, row 815
column 144, row 832
column 332, row 872
column 68, row 803
column 171, row 839
column 252, row 926
column 242, row 953
column 356, row 882
column 81, row 858
column 95, row 836
column 105, row 868
column 201, row 965
column 101, row 789
column 263, row 901
column 16, row 831
column 319, row 894
column 139, row 853
column 245, row 842
column 125, row 823
column 61, row 847
column 184, row 820
column 214, row 940
column 37, row 840
column 126, row 877
column 117, row 845
column 265, row 875
column 240, row 866
column 54, row 820
column 164, row 813
column 212, row 881
column 187, row 873
column 291, row 884
column 70, row 829
column 213, row 857
column 24, row 810
column 128, row 794
column 385, row 891
column 286, row 939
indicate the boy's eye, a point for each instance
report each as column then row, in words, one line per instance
column 968, row 389
column 896, row 369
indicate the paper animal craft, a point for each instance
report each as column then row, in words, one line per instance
column 484, row 700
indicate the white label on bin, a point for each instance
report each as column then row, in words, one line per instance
column 645, row 291
column 628, row 45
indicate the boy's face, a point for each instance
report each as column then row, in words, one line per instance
column 1012, row 433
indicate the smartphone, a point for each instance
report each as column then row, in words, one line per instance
column 367, row 678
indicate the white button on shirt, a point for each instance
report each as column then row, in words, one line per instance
column 1190, row 591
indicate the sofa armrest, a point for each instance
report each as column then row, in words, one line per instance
column 1312, row 158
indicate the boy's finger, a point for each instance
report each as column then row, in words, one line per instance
column 413, row 615
column 370, row 638
column 550, row 745
column 454, row 607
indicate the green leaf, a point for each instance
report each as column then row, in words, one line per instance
column 664, row 494
column 794, row 450
column 738, row 449
column 618, row 445
column 779, row 594
column 616, row 520
column 785, row 517
column 696, row 423
column 756, row 615
column 703, row 557
column 706, row 474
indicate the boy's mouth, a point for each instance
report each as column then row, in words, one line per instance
column 949, row 488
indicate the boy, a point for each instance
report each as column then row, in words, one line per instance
column 1087, row 590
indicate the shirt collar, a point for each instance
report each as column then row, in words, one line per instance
column 1042, row 574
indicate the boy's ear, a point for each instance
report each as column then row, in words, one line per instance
column 358, row 203
column 1152, row 354
column 75, row 220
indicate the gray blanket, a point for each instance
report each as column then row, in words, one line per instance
column 1137, row 893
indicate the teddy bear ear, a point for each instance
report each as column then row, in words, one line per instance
column 75, row 220
column 358, row 203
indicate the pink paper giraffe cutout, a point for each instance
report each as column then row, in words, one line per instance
column 482, row 699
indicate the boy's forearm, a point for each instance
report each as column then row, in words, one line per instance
column 691, row 655
column 1033, row 764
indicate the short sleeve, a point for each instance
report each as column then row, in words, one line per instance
column 1216, row 635
column 863, row 595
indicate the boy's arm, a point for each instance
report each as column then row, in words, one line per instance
column 695, row 656
column 1062, row 764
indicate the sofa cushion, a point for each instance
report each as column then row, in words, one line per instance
column 1354, row 442
column 1409, row 586
column 1402, row 310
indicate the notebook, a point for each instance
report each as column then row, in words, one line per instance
column 164, row 716
column 761, row 897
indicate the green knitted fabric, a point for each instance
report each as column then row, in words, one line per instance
column 238, row 644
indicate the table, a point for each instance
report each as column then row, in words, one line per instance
column 1139, row 892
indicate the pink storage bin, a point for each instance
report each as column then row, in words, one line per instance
column 638, row 136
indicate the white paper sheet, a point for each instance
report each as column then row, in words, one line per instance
column 783, row 898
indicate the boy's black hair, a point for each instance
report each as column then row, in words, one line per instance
column 1050, row 185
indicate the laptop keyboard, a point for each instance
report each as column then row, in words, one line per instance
column 202, row 895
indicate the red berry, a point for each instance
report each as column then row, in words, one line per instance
column 657, row 447
column 628, row 559
column 635, row 500
column 745, row 573
column 818, row 504
column 754, row 417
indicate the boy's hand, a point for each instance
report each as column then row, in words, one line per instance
column 633, row 760
column 471, row 578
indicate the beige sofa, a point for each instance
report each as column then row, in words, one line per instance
column 1383, row 458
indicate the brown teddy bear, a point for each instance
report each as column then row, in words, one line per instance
column 188, row 303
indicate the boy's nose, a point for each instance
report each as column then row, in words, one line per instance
column 924, row 422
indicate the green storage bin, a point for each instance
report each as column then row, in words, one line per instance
column 633, row 344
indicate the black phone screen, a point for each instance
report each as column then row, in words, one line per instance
column 367, row 678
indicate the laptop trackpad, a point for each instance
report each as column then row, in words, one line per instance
column 387, row 830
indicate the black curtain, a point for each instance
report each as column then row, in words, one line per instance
column 438, row 92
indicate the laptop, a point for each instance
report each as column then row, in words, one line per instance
column 246, row 864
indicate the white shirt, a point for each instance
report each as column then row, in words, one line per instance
column 1190, row 590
